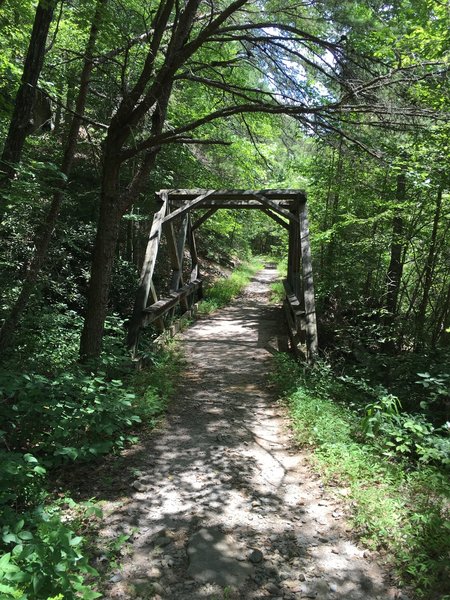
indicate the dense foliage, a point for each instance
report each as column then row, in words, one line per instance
column 102, row 104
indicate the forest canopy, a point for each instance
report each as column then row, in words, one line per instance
column 105, row 102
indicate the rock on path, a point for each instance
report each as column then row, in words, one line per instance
column 223, row 505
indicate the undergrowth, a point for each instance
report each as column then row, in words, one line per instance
column 395, row 468
column 53, row 413
column 222, row 291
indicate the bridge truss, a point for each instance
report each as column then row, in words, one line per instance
column 177, row 218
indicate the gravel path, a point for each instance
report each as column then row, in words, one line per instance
column 224, row 506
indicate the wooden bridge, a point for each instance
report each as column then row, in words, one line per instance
column 177, row 207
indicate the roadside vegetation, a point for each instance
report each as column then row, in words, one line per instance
column 347, row 100
column 221, row 291
column 56, row 415
column 392, row 465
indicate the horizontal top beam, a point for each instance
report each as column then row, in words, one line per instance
column 280, row 195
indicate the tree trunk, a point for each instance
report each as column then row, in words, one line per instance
column 44, row 236
column 21, row 118
column 428, row 272
column 102, row 261
column 395, row 270
column 443, row 322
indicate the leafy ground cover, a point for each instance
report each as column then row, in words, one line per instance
column 54, row 415
column 394, row 465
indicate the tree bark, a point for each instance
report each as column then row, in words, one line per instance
column 113, row 203
column 45, row 234
column 20, row 125
column 102, row 262
column 428, row 272
column 395, row 270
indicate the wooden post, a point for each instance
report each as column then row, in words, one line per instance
column 176, row 250
column 195, row 269
column 294, row 252
column 148, row 268
column 312, row 343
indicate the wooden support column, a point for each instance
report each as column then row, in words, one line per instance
column 294, row 253
column 148, row 268
column 312, row 343
column 195, row 267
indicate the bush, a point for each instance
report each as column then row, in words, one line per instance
column 398, row 506
column 43, row 559
column 74, row 415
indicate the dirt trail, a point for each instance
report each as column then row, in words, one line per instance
column 223, row 505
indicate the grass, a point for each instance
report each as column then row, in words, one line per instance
column 398, row 508
column 222, row 291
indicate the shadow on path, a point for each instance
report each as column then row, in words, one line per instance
column 222, row 504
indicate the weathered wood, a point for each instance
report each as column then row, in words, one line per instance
column 274, row 206
column 272, row 194
column 175, row 246
column 203, row 218
column 294, row 254
column 308, row 286
column 146, row 274
column 159, row 323
column 286, row 207
column 195, row 269
column 187, row 206
column 275, row 217
column 163, row 306
column 296, row 318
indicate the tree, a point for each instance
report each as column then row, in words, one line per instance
column 43, row 236
column 217, row 50
column 21, row 119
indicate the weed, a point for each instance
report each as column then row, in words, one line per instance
column 398, row 506
column 222, row 291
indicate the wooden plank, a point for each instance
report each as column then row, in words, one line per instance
column 204, row 217
column 308, row 286
column 177, row 277
column 272, row 194
column 159, row 323
column 274, row 206
column 188, row 206
column 294, row 255
column 275, row 217
column 195, row 272
column 176, row 248
column 163, row 306
column 146, row 274
column 253, row 200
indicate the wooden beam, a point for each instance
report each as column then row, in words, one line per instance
column 294, row 255
column 275, row 217
column 188, row 206
column 176, row 248
column 274, row 206
column 159, row 322
column 146, row 274
column 272, row 194
column 195, row 268
column 204, row 217
column 308, row 286
column 163, row 306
